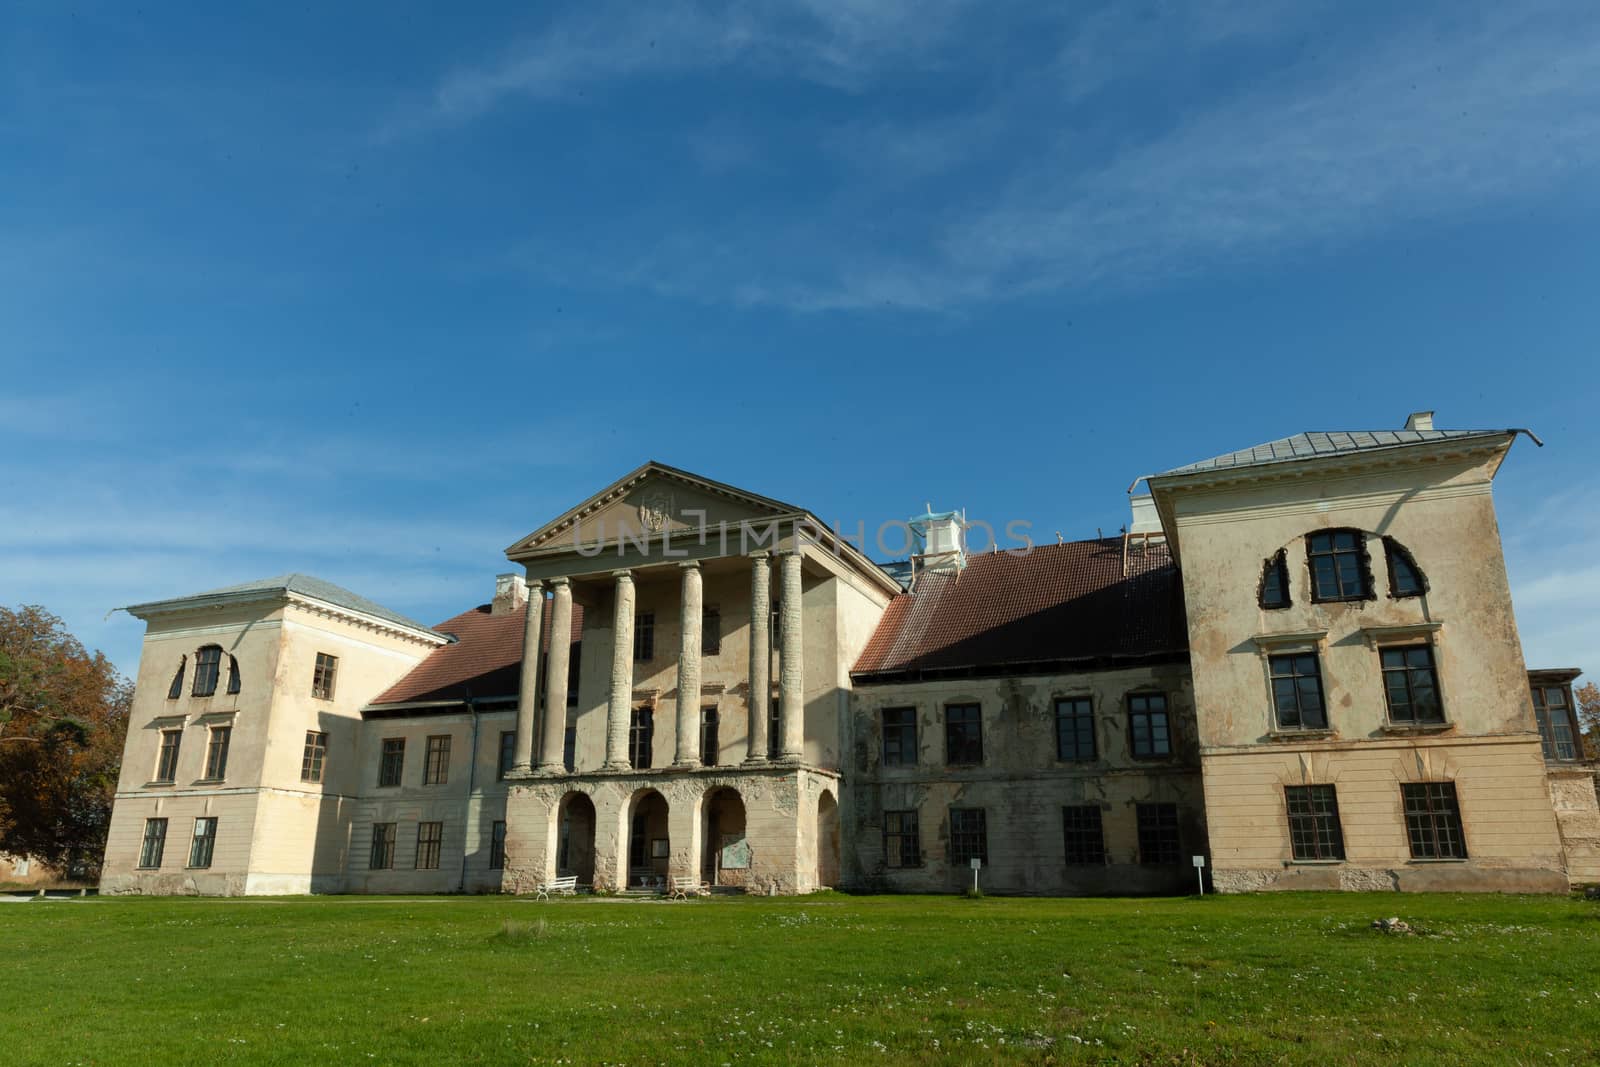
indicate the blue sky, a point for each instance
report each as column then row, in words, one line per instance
column 371, row 292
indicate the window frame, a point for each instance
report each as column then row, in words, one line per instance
column 1316, row 832
column 1078, row 718
column 175, row 690
column 206, row 841
column 506, row 757
column 218, row 738
column 1363, row 564
column 1438, row 803
column 391, row 748
column 1275, row 566
column 962, row 838
column 1293, row 658
column 314, row 757
column 497, row 845
column 1155, row 829
column 710, row 728
column 903, row 755
column 380, row 857
column 1432, row 669
column 1393, row 550
column 1544, row 717
column 234, row 684
column 436, row 761
column 325, row 676
column 644, row 637
column 430, row 845
column 711, row 630
column 1165, row 711
column 642, row 737
column 155, row 834
column 775, row 729
column 903, row 828
column 569, row 747
column 167, row 756
column 1076, row 835
column 969, row 748
column 207, row 670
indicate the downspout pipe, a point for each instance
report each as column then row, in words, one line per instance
column 472, row 785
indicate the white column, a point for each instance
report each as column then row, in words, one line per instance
column 528, row 690
column 553, row 737
column 760, row 657
column 620, row 710
column 791, row 667
column 689, row 666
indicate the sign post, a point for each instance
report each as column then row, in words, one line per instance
column 1200, row 873
column 976, row 863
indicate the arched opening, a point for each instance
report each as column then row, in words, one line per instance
column 827, row 840
column 575, row 838
column 649, row 848
column 725, row 852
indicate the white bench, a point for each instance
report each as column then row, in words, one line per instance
column 681, row 888
column 561, row 887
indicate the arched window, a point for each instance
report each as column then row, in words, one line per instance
column 176, row 689
column 207, row 665
column 1274, row 589
column 1339, row 566
column 233, row 675
column 1405, row 577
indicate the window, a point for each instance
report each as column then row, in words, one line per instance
column 899, row 737
column 508, row 753
column 1075, row 729
column 233, row 676
column 1553, row 711
column 1158, row 834
column 155, row 843
column 315, row 755
column 1405, row 577
column 1433, row 821
column 1314, row 832
column 1149, row 733
column 1297, row 691
column 639, row 843
column 175, row 690
column 963, row 734
column 207, row 665
column 641, row 738
column 217, row 753
column 711, row 631
column 322, row 678
column 709, row 749
column 205, row 836
column 644, row 637
column 167, row 762
column 1274, row 590
column 436, row 768
column 569, row 749
column 430, row 835
column 393, row 761
column 775, row 729
column 382, row 856
column 497, row 846
column 901, row 845
column 969, row 836
column 1339, row 569
column 1085, row 840
column 1410, row 685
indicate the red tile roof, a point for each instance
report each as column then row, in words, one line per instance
column 1057, row 606
column 484, row 661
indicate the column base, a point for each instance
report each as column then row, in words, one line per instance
column 686, row 765
column 548, row 770
column 520, row 770
column 790, row 759
column 755, row 761
column 616, row 765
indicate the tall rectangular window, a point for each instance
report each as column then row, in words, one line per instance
column 381, row 858
column 1557, row 732
column 314, row 756
column 774, row 729
column 1158, row 834
column 710, row 749
column 205, row 836
column 508, row 752
column 430, row 836
column 207, row 667
column 1297, row 691
column 569, row 749
column 217, row 753
column 711, row 631
column 154, row 844
column 323, row 677
column 167, row 761
column 641, row 738
column 1085, row 837
column 1433, row 821
column 391, row 765
column 644, row 637
column 1410, row 685
column 899, row 737
column 963, row 734
column 1149, row 731
column 1075, row 729
column 969, row 836
column 436, row 768
column 233, row 676
column 1314, row 830
column 1339, row 568
column 497, row 846
column 902, row 845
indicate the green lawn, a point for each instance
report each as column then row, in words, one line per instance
column 1269, row 979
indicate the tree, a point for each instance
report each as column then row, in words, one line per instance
column 63, row 717
column 1589, row 719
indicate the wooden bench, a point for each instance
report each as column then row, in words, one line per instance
column 681, row 888
column 561, row 887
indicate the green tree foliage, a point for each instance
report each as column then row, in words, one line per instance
column 1589, row 719
column 63, row 717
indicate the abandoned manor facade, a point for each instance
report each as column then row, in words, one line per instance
column 1298, row 665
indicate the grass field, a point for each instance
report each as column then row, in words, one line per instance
column 1270, row 979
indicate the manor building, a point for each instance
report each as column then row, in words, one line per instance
column 1299, row 663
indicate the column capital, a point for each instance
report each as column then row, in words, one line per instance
column 792, row 550
column 690, row 565
column 558, row 583
column 622, row 574
column 761, row 553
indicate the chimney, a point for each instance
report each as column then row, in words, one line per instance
column 1146, row 521
column 936, row 537
column 1419, row 420
column 510, row 593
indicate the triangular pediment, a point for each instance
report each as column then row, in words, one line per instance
column 651, row 501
